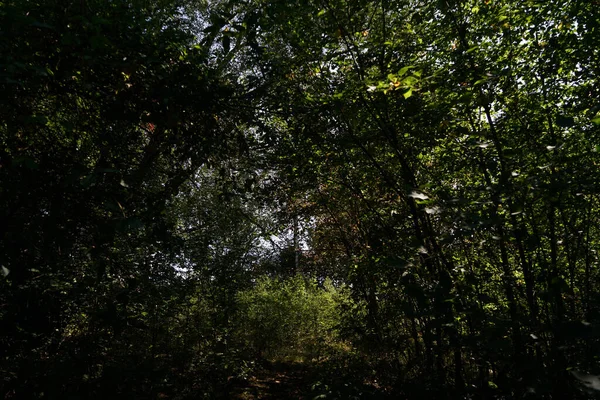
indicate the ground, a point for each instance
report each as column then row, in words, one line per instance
column 281, row 380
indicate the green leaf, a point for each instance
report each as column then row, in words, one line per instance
column 407, row 94
column 404, row 70
column 5, row 271
column 410, row 80
column 596, row 120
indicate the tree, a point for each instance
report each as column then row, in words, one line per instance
column 435, row 158
column 108, row 109
column 414, row 132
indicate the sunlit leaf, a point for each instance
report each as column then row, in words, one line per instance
column 404, row 70
column 418, row 195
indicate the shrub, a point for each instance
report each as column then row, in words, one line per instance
column 294, row 318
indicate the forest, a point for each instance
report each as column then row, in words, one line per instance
column 299, row 199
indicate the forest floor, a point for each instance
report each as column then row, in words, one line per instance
column 279, row 380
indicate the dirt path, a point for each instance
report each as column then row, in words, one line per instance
column 303, row 382
column 277, row 381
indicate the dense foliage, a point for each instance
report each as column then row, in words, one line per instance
column 301, row 318
column 403, row 193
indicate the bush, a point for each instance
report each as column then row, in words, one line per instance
column 294, row 319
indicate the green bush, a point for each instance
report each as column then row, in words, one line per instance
column 293, row 319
